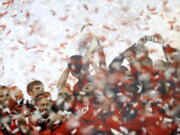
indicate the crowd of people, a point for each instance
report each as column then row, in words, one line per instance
column 142, row 99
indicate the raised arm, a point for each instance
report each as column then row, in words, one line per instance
column 89, row 56
column 143, row 40
column 102, row 57
column 63, row 79
column 157, row 38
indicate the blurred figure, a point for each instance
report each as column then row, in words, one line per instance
column 42, row 119
column 33, row 88
column 79, row 66
column 4, row 96
column 7, row 124
column 64, row 103
column 160, row 66
column 136, row 52
column 43, row 101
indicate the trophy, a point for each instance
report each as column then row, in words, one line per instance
column 88, row 42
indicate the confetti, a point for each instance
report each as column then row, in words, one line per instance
column 71, row 36
column 3, row 14
column 85, row 7
column 109, row 28
column 63, row 18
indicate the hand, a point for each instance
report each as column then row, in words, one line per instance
column 157, row 38
column 144, row 39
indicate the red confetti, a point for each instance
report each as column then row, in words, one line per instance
column 42, row 45
column 52, row 90
column 141, row 13
column 125, row 9
column 117, row 38
column 3, row 27
column 63, row 18
column 137, row 19
column 151, row 9
column 62, row 45
column 21, row 42
column 59, row 52
column 124, row 23
column 86, row 7
column 53, row 12
column 28, row 15
column 8, row 32
column 154, row 13
column 71, row 36
column 14, row 15
column 14, row 48
column 33, row 68
column 102, row 38
column 39, row 51
column 28, row 48
column 146, row 28
column 3, row 14
column 8, row 2
column 171, row 27
column 109, row 28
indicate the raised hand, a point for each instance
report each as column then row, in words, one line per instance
column 157, row 38
column 145, row 39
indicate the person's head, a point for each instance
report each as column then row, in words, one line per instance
column 4, row 95
column 43, row 101
column 78, row 66
column 34, row 87
column 130, row 55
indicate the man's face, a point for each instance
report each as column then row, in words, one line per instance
column 36, row 89
column 4, row 96
column 82, row 74
column 44, row 104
